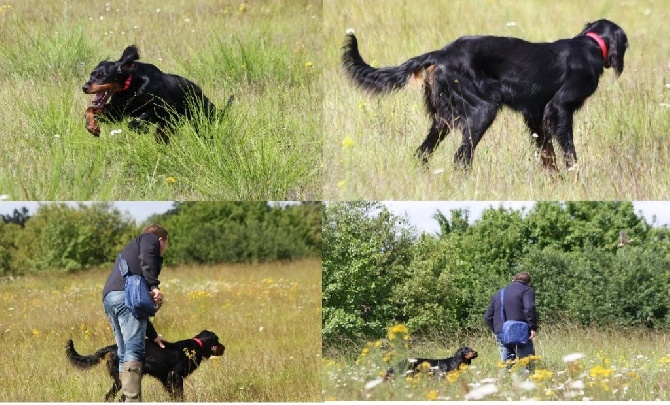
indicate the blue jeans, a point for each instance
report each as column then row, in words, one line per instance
column 514, row 352
column 129, row 331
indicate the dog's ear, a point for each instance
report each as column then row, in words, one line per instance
column 125, row 63
column 618, row 45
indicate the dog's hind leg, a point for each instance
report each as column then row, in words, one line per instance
column 473, row 128
column 435, row 136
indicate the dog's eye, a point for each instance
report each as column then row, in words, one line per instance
column 100, row 74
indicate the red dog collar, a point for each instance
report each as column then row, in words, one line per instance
column 600, row 41
column 126, row 85
column 198, row 341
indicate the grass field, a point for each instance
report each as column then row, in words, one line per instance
column 268, row 316
column 620, row 133
column 265, row 53
column 612, row 365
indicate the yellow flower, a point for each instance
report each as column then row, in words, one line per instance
column 308, row 64
column 398, row 329
column 452, row 376
column 365, row 352
column 634, row 375
column 378, row 343
column 665, row 359
column 340, row 184
column 599, row 371
column 242, row 7
column 541, row 375
column 170, row 180
column 347, row 142
column 36, row 333
column 432, row 395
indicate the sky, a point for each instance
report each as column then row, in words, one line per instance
column 420, row 213
column 140, row 210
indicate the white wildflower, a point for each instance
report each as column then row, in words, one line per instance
column 481, row 391
column 572, row 357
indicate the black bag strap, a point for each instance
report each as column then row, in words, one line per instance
column 502, row 305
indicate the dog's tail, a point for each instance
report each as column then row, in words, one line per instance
column 386, row 79
column 84, row 362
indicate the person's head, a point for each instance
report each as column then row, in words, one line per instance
column 522, row 277
column 159, row 231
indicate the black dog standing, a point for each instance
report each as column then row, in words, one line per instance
column 468, row 81
column 142, row 91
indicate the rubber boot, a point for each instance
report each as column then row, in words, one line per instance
column 131, row 381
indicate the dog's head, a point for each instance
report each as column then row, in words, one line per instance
column 111, row 77
column 210, row 344
column 466, row 354
column 616, row 40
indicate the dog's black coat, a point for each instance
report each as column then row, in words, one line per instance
column 170, row 365
column 468, row 81
column 142, row 91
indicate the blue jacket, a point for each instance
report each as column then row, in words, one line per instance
column 519, row 306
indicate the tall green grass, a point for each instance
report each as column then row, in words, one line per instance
column 265, row 54
column 620, row 133
column 268, row 317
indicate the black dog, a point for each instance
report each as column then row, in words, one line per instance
column 142, row 91
column 464, row 355
column 438, row 367
column 170, row 365
column 468, row 81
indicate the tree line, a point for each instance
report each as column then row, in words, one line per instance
column 592, row 264
column 61, row 238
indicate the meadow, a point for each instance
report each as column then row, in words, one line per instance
column 571, row 363
column 266, row 54
column 620, row 133
column 267, row 315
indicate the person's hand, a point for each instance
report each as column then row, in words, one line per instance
column 532, row 334
column 157, row 296
column 159, row 341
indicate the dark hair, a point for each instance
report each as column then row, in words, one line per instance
column 157, row 230
column 522, row 277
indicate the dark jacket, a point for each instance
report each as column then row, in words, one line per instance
column 519, row 306
column 143, row 255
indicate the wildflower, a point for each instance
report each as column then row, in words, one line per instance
column 634, row 375
column 664, row 359
column 398, row 329
column 572, row 357
column 599, row 371
column 365, row 352
column 170, row 180
column 432, row 395
column 242, row 7
column 452, row 376
column 4, row 197
column 36, row 333
column 308, row 64
column 481, row 391
column 541, row 375
column 347, row 142
column 576, row 385
column 340, row 184
column 115, row 132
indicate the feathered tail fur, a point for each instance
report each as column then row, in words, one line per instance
column 386, row 79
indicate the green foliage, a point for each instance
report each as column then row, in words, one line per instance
column 242, row 232
column 366, row 253
column 441, row 284
column 60, row 237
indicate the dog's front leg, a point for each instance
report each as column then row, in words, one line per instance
column 91, row 123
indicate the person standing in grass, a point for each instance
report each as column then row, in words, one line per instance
column 519, row 306
column 144, row 256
